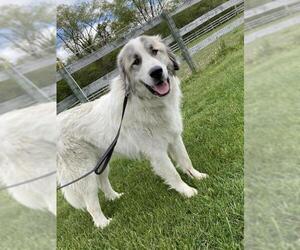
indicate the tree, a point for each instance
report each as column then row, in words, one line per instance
column 82, row 28
column 137, row 11
column 27, row 28
column 85, row 27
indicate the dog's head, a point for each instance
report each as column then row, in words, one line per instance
column 146, row 65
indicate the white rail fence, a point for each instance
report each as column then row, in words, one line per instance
column 260, row 20
column 18, row 77
column 87, row 60
column 147, row 26
column 272, row 29
column 97, row 88
column 212, row 25
column 254, row 18
column 270, row 12
column 271, row 6
column 30, row 66
column 190, row 33
column 216, row 35
column 26, row 100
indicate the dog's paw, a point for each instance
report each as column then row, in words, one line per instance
column 113, row 196
column 102, row 223
column 196, row 174
column 187, row 191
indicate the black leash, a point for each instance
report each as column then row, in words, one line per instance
column 28, row 181
column 105, row 158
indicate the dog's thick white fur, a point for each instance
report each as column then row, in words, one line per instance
column 28, row 150
column 152, row 127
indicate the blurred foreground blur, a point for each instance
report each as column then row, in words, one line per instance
column 272, row 123
column 27, row 125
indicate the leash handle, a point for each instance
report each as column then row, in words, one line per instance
column 105, row 158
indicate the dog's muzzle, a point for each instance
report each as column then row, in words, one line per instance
column 161, row 88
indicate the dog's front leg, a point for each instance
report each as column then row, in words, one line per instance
column 179, row 154
column 163, row 166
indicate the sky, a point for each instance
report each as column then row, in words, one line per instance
column 7, row 50
column 28, row 2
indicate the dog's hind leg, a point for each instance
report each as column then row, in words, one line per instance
column 179, row 154
column 78, row 159
column 84, row 195
column 106, row 187
column 163, row 166
column 93, row 207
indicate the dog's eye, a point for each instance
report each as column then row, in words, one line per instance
column 136, row 61
column 154, row 52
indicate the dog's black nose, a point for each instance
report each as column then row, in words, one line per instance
column 156, row 72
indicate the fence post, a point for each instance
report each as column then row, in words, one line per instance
column 287, row 9
column 27, row 85
column 176, row 35
column 77, row 91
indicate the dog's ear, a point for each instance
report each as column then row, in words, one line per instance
column 122, row 71
column 121, row 67
column 173, row 59
column 158, row 38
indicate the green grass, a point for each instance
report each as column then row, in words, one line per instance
column 149, row 216
column 272, row 141
column 24, row 228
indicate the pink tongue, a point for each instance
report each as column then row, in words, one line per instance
column 162, row 88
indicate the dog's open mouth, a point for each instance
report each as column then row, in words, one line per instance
column 160, row 89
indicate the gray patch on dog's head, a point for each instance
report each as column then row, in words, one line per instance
column 148, row 41
column 122, row 62
column 152, row 41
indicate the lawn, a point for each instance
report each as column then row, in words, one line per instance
column 24, row 228
column 149, row 215
column 272, row 119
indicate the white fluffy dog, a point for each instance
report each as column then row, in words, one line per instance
column 152, row 127
column 27, row 151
